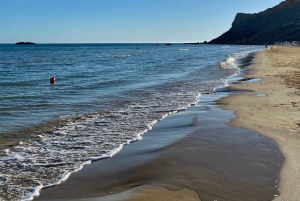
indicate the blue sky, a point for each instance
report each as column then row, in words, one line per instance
column 107, row 21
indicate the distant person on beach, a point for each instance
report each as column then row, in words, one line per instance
column 266, row 46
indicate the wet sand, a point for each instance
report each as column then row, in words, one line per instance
column 183, row 159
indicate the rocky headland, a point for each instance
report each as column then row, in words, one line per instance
column 280, row 23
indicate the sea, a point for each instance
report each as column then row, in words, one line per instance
column 105, row 96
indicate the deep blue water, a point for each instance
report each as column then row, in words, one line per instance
column 105, row 95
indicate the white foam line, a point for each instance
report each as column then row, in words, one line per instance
column 62, row 179
column 151, row 124
column 37, row 189
column 35, row 193
column 197, row 99
column 66, row 176
column 110, row 154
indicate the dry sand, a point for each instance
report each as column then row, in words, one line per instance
column 277, row 115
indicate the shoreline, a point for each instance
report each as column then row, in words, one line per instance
column 150, row 172
column 206, row 161
column 276, row 114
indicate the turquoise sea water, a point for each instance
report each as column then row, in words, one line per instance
column 105, row 96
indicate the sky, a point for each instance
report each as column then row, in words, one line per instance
column 120, row 21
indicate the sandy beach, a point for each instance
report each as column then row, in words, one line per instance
column 220, row 157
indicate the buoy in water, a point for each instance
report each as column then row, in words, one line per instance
column 52, row 80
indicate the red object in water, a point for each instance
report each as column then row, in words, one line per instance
column 52, row 80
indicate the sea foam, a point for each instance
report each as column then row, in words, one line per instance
column 229, row 62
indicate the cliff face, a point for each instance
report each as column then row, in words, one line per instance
column 280, row 23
